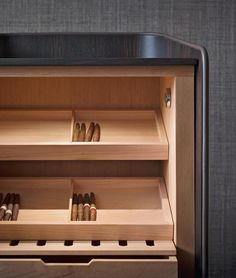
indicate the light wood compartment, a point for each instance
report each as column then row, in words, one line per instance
column 128, row 209
column 47, row 135
column 42, row 201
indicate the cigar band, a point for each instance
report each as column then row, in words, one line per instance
column 3, row 207
column 86, row 205
column 9, row 212
column 93, row 207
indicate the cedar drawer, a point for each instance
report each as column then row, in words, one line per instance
column 166, row 268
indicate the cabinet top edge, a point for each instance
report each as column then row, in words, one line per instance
column 95, row 49
column 97, row 71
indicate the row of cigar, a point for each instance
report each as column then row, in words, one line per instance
column 83, row 207
column 10, row 206
column 93, row 133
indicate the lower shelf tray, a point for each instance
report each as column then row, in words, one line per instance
column 128, row 209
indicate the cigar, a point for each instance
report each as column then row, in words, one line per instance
column 89, row 134
column 4, row 205
column 76, row 132
column 74, row 210
column 82, row 132
column 16, row 207
column 86, row 207
column 93, row 210
column 97, row 133
column 8, row 212
column 80, row 208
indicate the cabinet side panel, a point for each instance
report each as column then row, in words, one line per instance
column 185, row 174
column 178, row 171
column 169, row 119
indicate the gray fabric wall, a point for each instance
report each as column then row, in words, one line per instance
column 210, row 23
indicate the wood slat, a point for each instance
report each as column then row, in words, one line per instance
column 86, row 248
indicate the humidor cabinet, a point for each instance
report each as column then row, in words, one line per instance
column 149, row 94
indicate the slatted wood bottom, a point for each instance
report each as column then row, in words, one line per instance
column 87, row 248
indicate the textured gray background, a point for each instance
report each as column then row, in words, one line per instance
column 208, row 23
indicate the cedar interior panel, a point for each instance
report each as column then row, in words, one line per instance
column 178, row 171
column 79, row 92
column 169, row 119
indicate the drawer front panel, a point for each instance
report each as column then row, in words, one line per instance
column 162, row 268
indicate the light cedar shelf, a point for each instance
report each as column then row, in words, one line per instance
column 47, row 135
column 85, row 248
column 128, row 209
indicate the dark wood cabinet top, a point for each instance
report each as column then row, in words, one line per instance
column 95, row 49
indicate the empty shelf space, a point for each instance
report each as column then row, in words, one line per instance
column 42, row 215
column 34, row 127
column 47, row 135
column 86, row 248
column 127, row 209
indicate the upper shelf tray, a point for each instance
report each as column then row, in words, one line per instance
column 47, row 135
